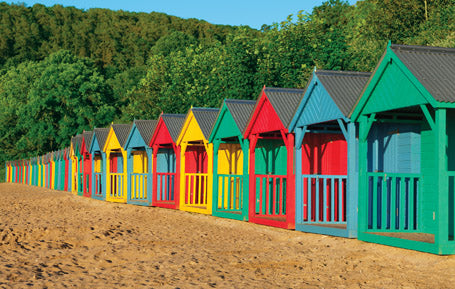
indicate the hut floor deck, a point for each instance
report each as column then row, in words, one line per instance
column 419, row 237
column 336, row 226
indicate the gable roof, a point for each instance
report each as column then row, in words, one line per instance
column 121, row 132
column 76, row 141
column 101, row 135
column 241, row 111
column 434, row 67
column 87, row 135
column 206, row 118
column 174, row 123
column 146, row 128
column 344, row 87
column 284, row 101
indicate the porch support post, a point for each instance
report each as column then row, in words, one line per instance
column 127, row 170
column 125, row 175
column 93, row 174
column 352, row 182
column 178, row 164
column 108, row 175
column 183, row 146
column 290, row 191
column 442, row 208
column 252, row 192
column 215, row 190
column 103, row 174
column 364, row 127
column 149, row 182
column 299, row 135
column 209, row 147
column 246, row 181
column 154, row 182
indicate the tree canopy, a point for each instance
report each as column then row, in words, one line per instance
column 64, row 70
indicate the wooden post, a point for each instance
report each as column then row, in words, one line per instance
column 442, row 209
column 128, row 169
column 352, row 182
column 252, row 185
column 298, row 176
column 363, row 179
column 245, row 196
column 290, row 192
column 215, row 189
column 178, row 164
column 150, row 182
column 182, row 193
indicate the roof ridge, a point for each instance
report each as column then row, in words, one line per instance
column 343, row 72
column 423, row 48
column 204, row 108
column 240, row 100
column 282, row 88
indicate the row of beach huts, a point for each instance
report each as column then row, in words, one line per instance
column 354, row 154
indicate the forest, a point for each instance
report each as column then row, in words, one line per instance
column 64, row 70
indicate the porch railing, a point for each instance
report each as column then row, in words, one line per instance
column 80, row 178
column 271, row 195
column 393, row 201
column 324, row 199
column 165, row 183
column 230, row 191
column 196, row 189
column 98, row 185
column 138, row 186
column 116, row 185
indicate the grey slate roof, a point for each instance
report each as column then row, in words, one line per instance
column 206, row 118
column 285, row 101
column 77, row 141
column 121, row 132
column 174, row 123
column 87, row 135
column 146, row 128
column 241, row 111
column 434, row 67
column 343, row 86
column 101, row 135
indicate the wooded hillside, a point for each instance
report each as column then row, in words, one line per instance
column 63, row 70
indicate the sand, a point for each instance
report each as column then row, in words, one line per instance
column 54, row 239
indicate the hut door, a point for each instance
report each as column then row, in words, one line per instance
column 394, row 176
column 166, row 174
column 230, row 177
column 196, row 176
column 271, row 177
column 324, row 174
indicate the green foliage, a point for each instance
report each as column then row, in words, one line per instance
column 63, row 70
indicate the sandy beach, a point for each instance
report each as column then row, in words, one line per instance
column 53, row 239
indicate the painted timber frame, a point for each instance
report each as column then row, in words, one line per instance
column 230, row 170
column 319, row 120
column 98, row 166
column 166, row 161
column 116, row 182
column 274, row 204
column 424, row 204
column 199, row 183
column 139, row 171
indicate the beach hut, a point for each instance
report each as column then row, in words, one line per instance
column 406, row 118
column 86, row 158
column 77, row 165
column 326, row 154
column 57, row 169
column 47, row 173
column 98, row 163
column 62, row 171
column 29, row 171
column 196, row 155
column 116, row 164
column 68, row 169
column 8, row 172
column 139, row 168
column 272, row 178
column 52, row 162
column 166, row 161
column 230, row 160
